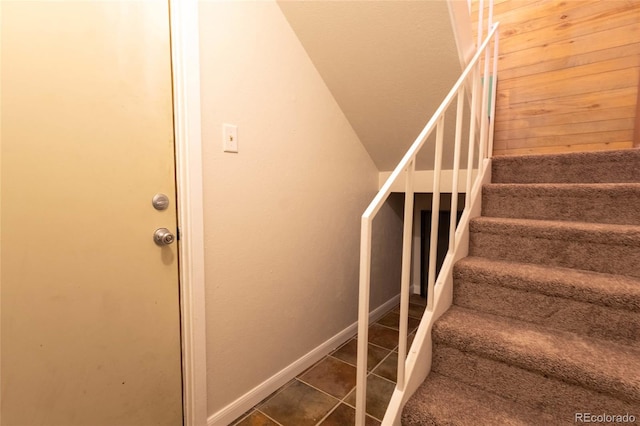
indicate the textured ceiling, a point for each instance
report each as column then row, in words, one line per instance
column 389, row 64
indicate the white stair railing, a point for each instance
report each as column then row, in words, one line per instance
column 484, row 141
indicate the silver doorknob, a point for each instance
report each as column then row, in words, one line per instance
column 163, row 237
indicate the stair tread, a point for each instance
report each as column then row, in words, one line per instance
column 585, row 190
column 604, row 233
column 552, row 278
column 616, row 291
column 441, row 400
column 592, row 304
column 593, row 363
column 542, row 392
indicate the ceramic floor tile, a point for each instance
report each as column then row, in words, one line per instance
column 388, row 368
column 298, row 405
column 383, row 336
column 379, row 393
column 415, row 311
column 349, row 353
column 332, row 376
column 346, row 416
column 392, row 320
column 256, row 419
column 301, row 404
column 417, row 300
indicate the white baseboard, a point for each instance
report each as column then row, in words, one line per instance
column 241, row 405
column 415, row 288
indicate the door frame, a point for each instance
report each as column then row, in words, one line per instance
column 185, row 63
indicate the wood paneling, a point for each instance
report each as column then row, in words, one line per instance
column 568, row 75
column 636, row 139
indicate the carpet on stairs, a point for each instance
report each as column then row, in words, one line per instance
column 545, row 322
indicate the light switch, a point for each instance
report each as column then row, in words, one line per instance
column 229, row 138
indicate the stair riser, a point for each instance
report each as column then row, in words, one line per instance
column 587, row 319
column 591, row 256
column 548, row 394
column 613, row 291
column 527, row 337
column 599, row 366
column 442, row 401
column 610, row 166
column 595, row 206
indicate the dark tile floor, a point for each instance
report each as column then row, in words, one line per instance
column 325, row 393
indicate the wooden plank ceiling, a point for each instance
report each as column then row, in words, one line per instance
column 568, row 75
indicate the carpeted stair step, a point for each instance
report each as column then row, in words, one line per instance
column 599, row 366
column 588, row 303
column 615, row 291
column 442, row 401
column 546, row 394
column 546, row 316
column 611, row 249
column 617, row 203
column 578, row 167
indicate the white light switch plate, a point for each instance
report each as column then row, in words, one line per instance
column 229, row 138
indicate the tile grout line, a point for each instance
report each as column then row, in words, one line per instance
column 338, row 400
column 318, row 389
column 328, row 413
column 255, row 410
column 372, row 344
column 351, row 406
column 380, row 377
column 243, row 417
column 342, row 400
column 270, row 418
column 386, row 326
column 369, row 373
column 265, row 400
column 384, row 378
column 380, row 363
column 274, row 394
column 394, row 328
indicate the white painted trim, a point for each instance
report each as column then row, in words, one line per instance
column 420, row 354
column 241, row 405
column 185, row 52
column 0, row 237
column 460, row 15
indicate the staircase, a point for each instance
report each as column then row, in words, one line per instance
column 545, row 321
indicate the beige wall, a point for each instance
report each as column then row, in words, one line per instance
column 282, row 215
column 386, row 255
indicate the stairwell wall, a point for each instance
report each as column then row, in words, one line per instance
column 568, row 75
column 282, row 216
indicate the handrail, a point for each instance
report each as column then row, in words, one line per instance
column 407, row 166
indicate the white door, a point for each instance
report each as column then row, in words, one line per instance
column 89, row 303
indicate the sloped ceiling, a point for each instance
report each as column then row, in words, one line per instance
column 389, row 64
